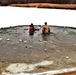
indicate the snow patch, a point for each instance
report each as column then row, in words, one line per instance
column 52, row 72
column 23, row 67
column 12, row 16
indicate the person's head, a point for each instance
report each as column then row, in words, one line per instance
column 31, row 25
column 45, row 23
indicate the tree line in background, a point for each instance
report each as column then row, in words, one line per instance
column 7, row 2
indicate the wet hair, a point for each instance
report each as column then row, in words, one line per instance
column 32, row 25
column 45, row 23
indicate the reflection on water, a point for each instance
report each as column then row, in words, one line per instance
column 45, row 37
column 31, row 34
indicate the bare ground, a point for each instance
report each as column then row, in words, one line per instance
column 46, row 5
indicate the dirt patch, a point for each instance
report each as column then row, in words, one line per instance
column 46, row 5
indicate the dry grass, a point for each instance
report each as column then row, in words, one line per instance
column 46, row 5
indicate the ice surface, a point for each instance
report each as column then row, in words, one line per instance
column 12, row 16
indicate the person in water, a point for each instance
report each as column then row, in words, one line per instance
column 45, row 29
column 31, row 29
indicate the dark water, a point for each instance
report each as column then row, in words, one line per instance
column 25, row 48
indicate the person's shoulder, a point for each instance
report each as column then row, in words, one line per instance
column 48, row 25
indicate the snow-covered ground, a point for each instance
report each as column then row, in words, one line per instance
column 12, row 16
column 21, row 68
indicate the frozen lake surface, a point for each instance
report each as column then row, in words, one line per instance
column 12, row 16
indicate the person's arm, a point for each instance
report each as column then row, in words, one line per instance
column 49, row 28
column 42, row 28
